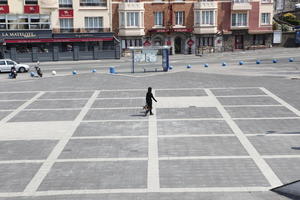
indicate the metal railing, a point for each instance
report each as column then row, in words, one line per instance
column 80, row 30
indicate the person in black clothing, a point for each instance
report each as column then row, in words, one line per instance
column 149, row 97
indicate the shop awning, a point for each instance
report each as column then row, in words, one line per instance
column 58, row 40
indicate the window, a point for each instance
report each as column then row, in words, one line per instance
column 266, row 1
column 66, row 25
column 206, row 41
column 31, row 2
column 122, row 19
column 239, row 19
column 65, row 3
column 265, row 18
column 92, row 2
column 131, row 1
column 93, row 24
column 179, row 18
column 2, row 63
column 3, row 2
column 258, row 40
column 133, row 19
column 131, row 43
column 24, row 22
column 197, row 18
column 158, row 18
column 207, row 18
column 2, row 22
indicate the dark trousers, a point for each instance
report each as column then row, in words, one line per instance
column 149, row 108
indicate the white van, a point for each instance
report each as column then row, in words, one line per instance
column 7, row 64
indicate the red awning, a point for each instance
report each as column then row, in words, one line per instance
column 58, row 40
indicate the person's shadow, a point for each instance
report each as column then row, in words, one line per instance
column 296, row 148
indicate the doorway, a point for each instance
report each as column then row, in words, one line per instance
column 239, row 42
column 177, row 44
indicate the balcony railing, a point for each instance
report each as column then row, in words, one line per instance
column 241, row 5
column 132, row 6
column 103, row 4
column 206, row 5
column 65, row 5
column 80, row 30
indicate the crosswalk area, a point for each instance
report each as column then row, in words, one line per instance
column 199, row 140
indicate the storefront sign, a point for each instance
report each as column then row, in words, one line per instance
column 31, row 9
column 25, row 34
column 66, row 14
column 4, row 9
column 185, row 30
column 190, row 42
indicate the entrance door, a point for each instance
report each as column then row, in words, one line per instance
column 177, row 44
column 239, row 42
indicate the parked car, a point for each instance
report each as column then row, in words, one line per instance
column 6, row 64
column 297, row 6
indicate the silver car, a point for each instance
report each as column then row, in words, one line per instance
column 7, row 64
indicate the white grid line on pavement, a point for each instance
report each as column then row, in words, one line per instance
column 200, row 135
column 282, row 102
column 109, row 137
column 8, row 110
column 35, row 182
column 153, row 182
column 115, row 120
column 64, row 99
column 273, row 135
column 265, row 118
column 138, row 120
column 260, row 162
column 204, row 157
column 234, row 96
column 50, row 109
column 119, row 98
column 144, row 159
column 192, row 119
column 12, row 100
column 116, row 108
column 138, row 190
column 240, row 106
column 20, row 108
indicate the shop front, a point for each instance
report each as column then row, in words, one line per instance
column 43, row 45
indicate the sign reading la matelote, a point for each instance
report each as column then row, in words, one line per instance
column 25, row 34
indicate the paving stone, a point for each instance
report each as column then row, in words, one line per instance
column 115, row 114
column 45, row 115
column 163, row 196
column 200, row 146
column 180, row 93
column 234, row 92
column 123, row 94
column 197, row 127
column 247, row 101
column 274, row 145
column 111, row 103
column 287, row 169
column 270, row 126
column 135, row 128
column 105, row 148
column 4, row 114
column 50, row 104
column 184, row 113
column 26, row 149
column 96, row 175
column 10, row 105
column 210, row 173
column 15, row 177
column 66, row 95
column 259, row 112
column 17, row 96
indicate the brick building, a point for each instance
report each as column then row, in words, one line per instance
column 192, row 25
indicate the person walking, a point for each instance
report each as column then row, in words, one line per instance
column 149, row 97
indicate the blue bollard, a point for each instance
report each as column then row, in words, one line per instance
column 258, row 62
column 188, row 66
column 170, row 67
column 205, row 65
column 224, row 64
column 112, row 70
column 32, row 74
column 274, row 61
column 291, row 59
column 241, row 62
column 74, row 72
column 94, row 70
